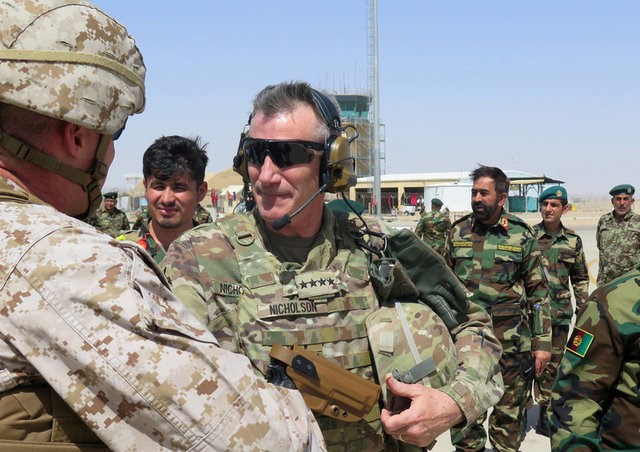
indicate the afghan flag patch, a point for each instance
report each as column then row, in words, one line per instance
column 579, row 342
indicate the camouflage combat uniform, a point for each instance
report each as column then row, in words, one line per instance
column 113, row 224
column 595, row 402
column 202, row 216
column 619, row 245
column 250, row 299
column 432, row 228
column 143, row 237
column 501, row 266
column 90, row 318
column 565, row 264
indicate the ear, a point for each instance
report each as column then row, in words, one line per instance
column 77, row 140
column 502, row 198
column 202, row 191
column 565, row 209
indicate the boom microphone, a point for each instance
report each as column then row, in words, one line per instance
column 286, row 219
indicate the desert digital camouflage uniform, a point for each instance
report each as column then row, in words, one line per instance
column 143, row 237
column 432, row 228
column 619, row 245
column 112, row 224
column 202, row 215
column 158, row 378
column 251, row 299
column 595, row 401
column 501, row 266
column 565, row 265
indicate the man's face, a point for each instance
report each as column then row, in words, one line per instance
column 110, row 204
column 173, row 202
column 552, row 210
column 486, row 203
column 280, row 191
column 622, row 205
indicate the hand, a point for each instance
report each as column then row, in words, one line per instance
column 431, row 413
column 542, row 358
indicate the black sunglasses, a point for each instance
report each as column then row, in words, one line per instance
column 284, row 153
column 117, row 134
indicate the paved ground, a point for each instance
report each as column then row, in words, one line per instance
column 584, row 223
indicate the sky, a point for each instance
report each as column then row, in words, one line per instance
column 545, row 87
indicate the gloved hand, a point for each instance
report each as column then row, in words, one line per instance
column 437, row 284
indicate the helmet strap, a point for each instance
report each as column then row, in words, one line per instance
column 89, row 180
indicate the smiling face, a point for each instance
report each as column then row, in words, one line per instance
column 280, row 191
column 552, row 211
column 173, row 202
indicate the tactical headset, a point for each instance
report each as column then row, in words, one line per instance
column 337, row 167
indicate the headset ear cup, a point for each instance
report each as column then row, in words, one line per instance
column 340, row 171
column 239, row 161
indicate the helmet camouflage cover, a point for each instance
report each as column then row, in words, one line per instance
column 69, row 60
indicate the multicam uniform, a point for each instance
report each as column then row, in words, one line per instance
column 112, row 224
column 92, row 320
column 251, row 300
column 565, row 265
column 432, row 228
column 500, row 265
column 619, row 245
column 595, row 401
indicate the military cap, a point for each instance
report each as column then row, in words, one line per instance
column 555, row 192
column 436, row 202
column 622, row 189
column 111, row 195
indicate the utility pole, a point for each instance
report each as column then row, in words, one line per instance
column 374, row 91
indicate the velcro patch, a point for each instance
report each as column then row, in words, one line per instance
column 228, row 289
column 512, row 248
column 579, row 342
column 462, row 244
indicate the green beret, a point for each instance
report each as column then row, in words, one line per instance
column 555, row 192
column 622, row 189
column 110, row 195
column 436, row 202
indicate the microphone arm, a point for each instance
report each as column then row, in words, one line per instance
column 286, row 219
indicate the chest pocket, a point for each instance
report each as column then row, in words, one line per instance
column 463, row 261
column 566, row 259
column 507, row 263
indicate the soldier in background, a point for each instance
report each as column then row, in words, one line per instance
column 110, row 219
column 595, row 401
column 202, row 215
column 433, row 227
column 618, row 236
column 272, row 276
column 173, row 168
column 96, row 352
column 565, row 267
column 496, row 256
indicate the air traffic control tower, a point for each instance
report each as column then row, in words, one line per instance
column 355, row 112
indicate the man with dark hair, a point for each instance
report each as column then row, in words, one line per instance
column 173, row 168
column 496, row 256
column 433, row 227
column 566, row 267
column 109, row 219
column 293, row 272
column 96, row 352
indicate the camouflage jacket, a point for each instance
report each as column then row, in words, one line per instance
column 501, row 266
column 112, row 224
column 144, row 238
column 253, row 300
column 619, row 245
column 93, row 317
column 595, row 400
column 202, row 215
column 565, row 264
column 433, row 228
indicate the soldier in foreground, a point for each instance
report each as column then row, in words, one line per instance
column 110, row 219
column 565, row 267
column 618, row 236
column 173, row 169
column 96, row 352
column 595, row 401
column 497, row 257
column 433, row 227
column 292, row 272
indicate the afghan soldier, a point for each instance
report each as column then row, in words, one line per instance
column 565, row 266
column 110, row 219
column 496, row 256
column 434, row 226
column 595, row 401
column 618, row 236
column 96, row 353
column 202, row 215
column 295, row 273
column 173, row 169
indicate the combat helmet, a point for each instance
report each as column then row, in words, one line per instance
column 69, row 60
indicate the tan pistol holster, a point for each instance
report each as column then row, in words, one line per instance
column 326, row 387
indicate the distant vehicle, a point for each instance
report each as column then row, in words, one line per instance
column 409, row 210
